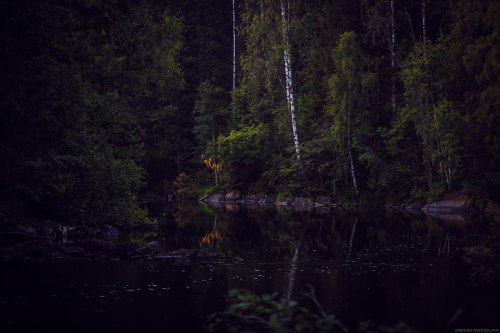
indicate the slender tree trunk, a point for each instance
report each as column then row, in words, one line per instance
column 351, row 160
column 411, row 25
column 349, row 140
column 290, row 95
column 424, row 38
column 393, row 59
column 234, row 46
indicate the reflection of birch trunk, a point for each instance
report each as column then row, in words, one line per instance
column 352, row 236
column 290, row 95
column 445, row 249
column 293, row 271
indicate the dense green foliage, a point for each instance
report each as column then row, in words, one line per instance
column 266, row 313
column 429, row 134
column 247, row 312
column 106, row 103
column 87, row 105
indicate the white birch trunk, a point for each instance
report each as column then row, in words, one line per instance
column 234, row 47
column 290, row 96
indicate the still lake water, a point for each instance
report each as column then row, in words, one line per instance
column 383, row 266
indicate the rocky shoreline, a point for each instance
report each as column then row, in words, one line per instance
column 452, row 203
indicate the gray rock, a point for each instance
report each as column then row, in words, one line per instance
column 452, row 202
column 152, row 248
column 217, row 197
column 323, row 200
column 110, row 233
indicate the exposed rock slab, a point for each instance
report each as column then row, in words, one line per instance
column 217, row 197
column 452, row 202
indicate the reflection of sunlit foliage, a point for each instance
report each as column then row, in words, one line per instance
column 211, row 237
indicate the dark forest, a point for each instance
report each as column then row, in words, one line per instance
column 111, row 109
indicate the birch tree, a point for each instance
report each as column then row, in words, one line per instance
column 266, row 67
column 290, row 95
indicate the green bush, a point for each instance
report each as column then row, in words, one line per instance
column 266, row 313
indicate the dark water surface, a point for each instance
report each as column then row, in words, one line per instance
column 376, row 265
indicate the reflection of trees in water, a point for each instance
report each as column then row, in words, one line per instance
column 484, row 258
column 273, row 233
column 352, row 236
column 293, row 270
column 211, row 238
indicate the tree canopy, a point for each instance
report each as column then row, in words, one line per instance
column 104, row 104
